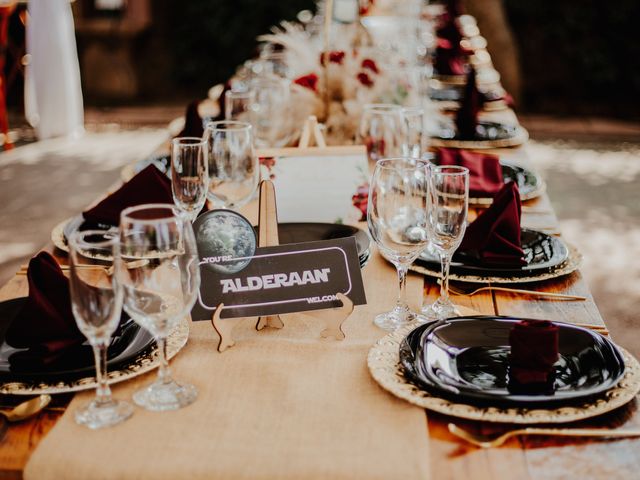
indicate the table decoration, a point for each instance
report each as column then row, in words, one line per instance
column 469, row 131
column 240, row 280
column 384, row 367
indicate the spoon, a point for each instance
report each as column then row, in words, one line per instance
column 24, row 410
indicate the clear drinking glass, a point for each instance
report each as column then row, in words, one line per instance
column 447, row 214
column 271, row 112
column 382, row 130
column 397, row 219
column 161, row 282
column 96, row 302
column 189, row 174
column 415, row 138
column 233, row 165
column 237, row 105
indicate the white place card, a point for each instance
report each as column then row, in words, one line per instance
column 323, row 188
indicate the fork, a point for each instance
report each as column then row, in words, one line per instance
column 485, row 441
column 534, row 293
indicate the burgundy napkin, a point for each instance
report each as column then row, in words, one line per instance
column 45, row 325
column 448, row 59
column 148, row 186
column 192, row 121
column 485, row 171
column 467, row 115
column 534, row 351
column 494, row 237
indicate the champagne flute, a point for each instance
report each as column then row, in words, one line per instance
column 233, row 165
column 382, row 130
column 159, row 292
column 189, row 174
column 396, row 215
column 447, row 214
column 96, row 302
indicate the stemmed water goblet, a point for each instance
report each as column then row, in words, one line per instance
column 414, row 143
column 189, row 174
column 271, row 113
column 397, row 220
column 447, row 214
column 96, row 302
column 161, row 280
column 382, row 130
column 233, row 165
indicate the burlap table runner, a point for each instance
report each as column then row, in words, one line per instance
column 280, row 404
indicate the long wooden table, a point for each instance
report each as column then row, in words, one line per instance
column 451, row 458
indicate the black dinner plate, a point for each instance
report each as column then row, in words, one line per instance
column 129, row 341
column 543, row 253
column 526, row 180
column 467, row 358
column 312, row 232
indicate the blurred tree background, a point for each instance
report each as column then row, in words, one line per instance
column 578, row 56
column 570, row 57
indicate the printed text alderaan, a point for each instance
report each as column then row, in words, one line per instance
column 276, row 280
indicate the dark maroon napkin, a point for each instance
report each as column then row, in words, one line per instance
column 485, row 171
column 449, row 59
column 192, row 121
column 45, row 325
column 467, row 115
column 148, row 186
column 494, row 237
column 534, row 351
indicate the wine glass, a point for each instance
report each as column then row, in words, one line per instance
column 447, row 214
column 189, row 174
column 233, row 165
column 382, row 130
column 415, row 137
column 397, row 219
column 161, row 280
column 96, row 302
column 271, row 113
column 237, row 105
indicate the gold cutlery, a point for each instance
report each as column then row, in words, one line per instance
column 26, row 409
column 533, row 293
column 485, row 441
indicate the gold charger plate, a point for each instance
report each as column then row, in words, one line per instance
column 143, row 363
column 520, row 137
column 384, row 366
column 570, row 265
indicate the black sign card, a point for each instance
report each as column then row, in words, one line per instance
column 289, row 278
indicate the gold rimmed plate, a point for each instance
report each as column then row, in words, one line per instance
column 384, row 365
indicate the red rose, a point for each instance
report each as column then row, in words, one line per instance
column 360, row 200
column 365, row 6
column 308, row 81
column 336, row 56
column 370, row 64
column 375, row 147
column 365, row 79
